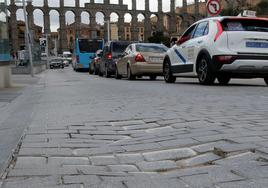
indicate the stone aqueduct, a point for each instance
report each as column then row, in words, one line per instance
column 92, row 8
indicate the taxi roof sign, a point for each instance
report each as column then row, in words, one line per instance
column 249, row 13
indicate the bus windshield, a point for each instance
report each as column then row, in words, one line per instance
column 89, row 46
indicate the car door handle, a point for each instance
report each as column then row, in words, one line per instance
column 183, row 47
column 199, row 42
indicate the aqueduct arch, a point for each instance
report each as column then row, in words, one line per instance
column 92, row 8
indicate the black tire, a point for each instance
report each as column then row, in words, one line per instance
column 266, row 81
column 62, row 66
column 100, row 73
column 95, row 71
column 223, row 79
column 130, row 76
column 153, row 77
column 106, row 73
column 205, row 71
column 117, row 75
column 90, row 70
column 168, row 76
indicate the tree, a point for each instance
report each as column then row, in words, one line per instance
column 262, row 7
column 158, row 37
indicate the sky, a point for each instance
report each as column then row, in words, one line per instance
column 54, row 17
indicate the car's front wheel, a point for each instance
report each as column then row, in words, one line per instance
column 91, row 70
column 266, row 80
column 223, row 79
column 117, row 75
column 169, row 78
column 206, row 75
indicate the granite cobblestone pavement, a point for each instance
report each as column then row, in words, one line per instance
column 91, row 132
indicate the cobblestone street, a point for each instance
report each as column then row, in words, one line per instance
column 92, row 132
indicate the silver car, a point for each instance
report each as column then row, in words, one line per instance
column 141, row 59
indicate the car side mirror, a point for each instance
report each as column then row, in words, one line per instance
column 182, row 40
column 121, row 55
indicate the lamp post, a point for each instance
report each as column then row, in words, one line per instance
column 28, row 36
column 47, row 49
column 108, row 30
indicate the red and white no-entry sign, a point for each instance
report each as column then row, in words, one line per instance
column 214, row 7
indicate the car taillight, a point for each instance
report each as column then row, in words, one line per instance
column 77, row 59
column 139, row 58
column 220, row 31
column 225, row 59
column 109, row 56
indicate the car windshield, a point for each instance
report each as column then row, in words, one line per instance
column 257, row 25
column 89, row 46
column 119, row 47
column 151, row 48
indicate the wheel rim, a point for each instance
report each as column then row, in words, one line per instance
column 203, row 70
column 166, row 71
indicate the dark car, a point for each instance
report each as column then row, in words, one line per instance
column 95, row 64
column 56, row 63
column 111, row 52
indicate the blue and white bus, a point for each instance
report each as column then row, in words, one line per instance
column 85, row 50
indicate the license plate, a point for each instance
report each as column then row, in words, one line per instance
column 257, row 44
column 156, row 59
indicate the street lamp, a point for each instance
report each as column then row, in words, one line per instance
column 108, row 30
column 28, row 36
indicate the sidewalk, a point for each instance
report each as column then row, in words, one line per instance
column 15, row 111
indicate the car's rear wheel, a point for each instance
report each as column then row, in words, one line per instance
column 117, row 75
column 206, row 75
column 100, row 73
column 223, row 79
column 130, row 76
column 153, row 77
column 169, row 78
column 266, row 80
column 106, row 72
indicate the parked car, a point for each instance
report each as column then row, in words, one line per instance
column 56, row 63
column 141, row 59
column 95, row 64
column 111, row 53
column 222, row 48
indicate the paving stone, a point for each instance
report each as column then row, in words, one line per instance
column 130, row 158
column 106, row 184
column 104, row 160
column 156, row 166
column 141, row 147
column 45, row 152
column 32, row 182
column 30, row 162
column 178, row 142
column 123, row 168
column 224, row 149
column 85, row 179
column 203, row 148
column 42, row 171
column 160, row 130
column 172, row 154
column 68, row 161
column 198, row 160
column 156, row 183
column 125, row 123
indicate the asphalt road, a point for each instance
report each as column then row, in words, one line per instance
column 87, row 131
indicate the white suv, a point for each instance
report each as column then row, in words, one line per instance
column 222, row 48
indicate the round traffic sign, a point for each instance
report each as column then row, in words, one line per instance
column 214, row 7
